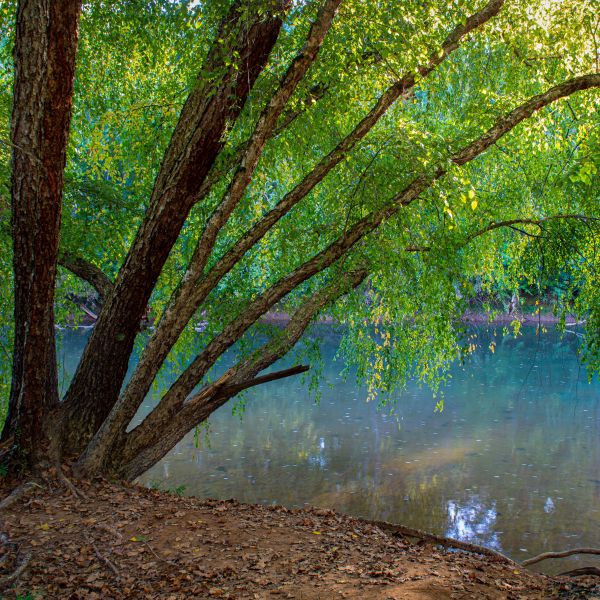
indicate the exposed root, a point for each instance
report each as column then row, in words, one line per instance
column 21, row 561
column 563, row 554
column 74, row 491
column 103, row 559
column 582, row 571
column 17, row 493
column 441, row 540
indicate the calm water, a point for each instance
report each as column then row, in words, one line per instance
column 512, row 462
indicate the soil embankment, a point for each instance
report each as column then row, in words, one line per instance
column 114, row 541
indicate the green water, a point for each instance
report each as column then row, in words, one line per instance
column 512, row 462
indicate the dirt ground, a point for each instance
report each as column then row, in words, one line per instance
column 120, row 541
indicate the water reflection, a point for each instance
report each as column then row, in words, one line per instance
column 473, row 522
column 512, row 462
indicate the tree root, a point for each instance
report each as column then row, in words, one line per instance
column 103, row 559
column 71, row 487
column 581, row 571
column 22, row 561
column 447, row 542
column 563, row 554
column 17, row 493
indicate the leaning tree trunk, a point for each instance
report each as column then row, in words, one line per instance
column 44, row 56
column 196, row 142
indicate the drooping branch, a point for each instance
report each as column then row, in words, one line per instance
column 87, row 271
column 189, row 299
column 146, row 444
column 247, row 32
column 537, row 222
column 511, row 224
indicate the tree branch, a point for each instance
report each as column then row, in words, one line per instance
column 187, row 300
column 172, row 419
column 229, row 391
column 511, row 224
column 198, row 368
column 87, row 271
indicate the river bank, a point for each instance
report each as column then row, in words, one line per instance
column 103, row 540
column 544, row 317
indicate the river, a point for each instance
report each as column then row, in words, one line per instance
column 512, row 462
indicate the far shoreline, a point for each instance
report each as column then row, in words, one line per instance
column 469, row 317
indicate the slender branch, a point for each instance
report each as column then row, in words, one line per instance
column 229, row 391
column 17, row 493
column 524, row 221
column 78, row 265
column 87, row 271
column 511, row 224
column 103, row 559
column 230, row 160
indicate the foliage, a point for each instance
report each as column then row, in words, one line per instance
column 138, row 61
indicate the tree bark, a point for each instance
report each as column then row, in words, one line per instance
column 44, row 58
column 88, row 272
column 194, row 146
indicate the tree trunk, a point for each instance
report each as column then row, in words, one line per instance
column 44, row 55
column 195, row 144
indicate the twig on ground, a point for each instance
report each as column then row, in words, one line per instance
column 168, row 562
column 103, row 558
column 77, row 493
column 563, row 554
column 17, row 493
